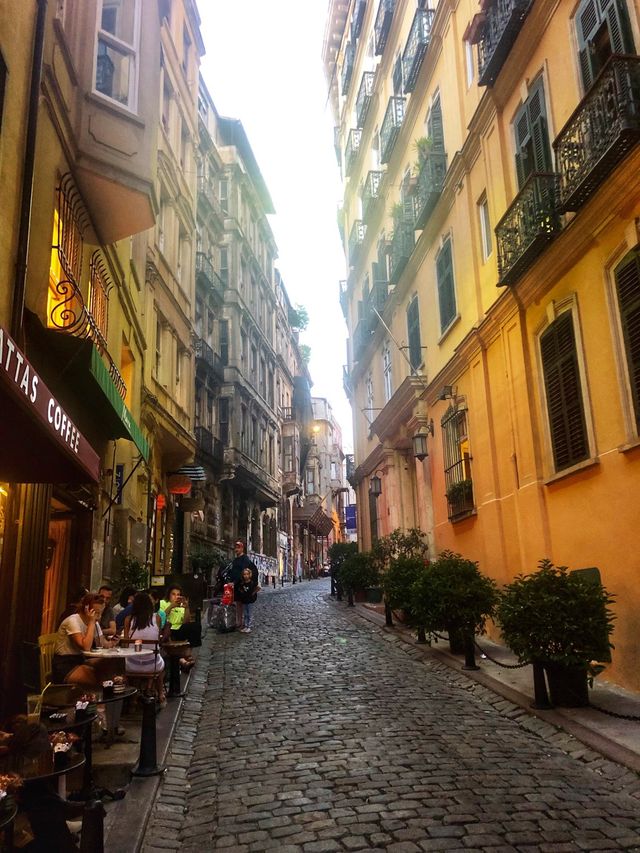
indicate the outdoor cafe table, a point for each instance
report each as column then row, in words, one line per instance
column 67, row 724
column 66, row 695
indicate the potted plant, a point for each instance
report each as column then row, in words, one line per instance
column 338, row 553
column 452, row 595
column 356, row 574
column 562, row 621
column 398, row 581
column 461, row 492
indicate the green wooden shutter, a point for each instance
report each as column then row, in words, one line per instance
column 522, row 130
column 627, row 277
column 620, row 35
column 435, row 128
column 564, row 393
column 413, row 332
column 587, row 23
column 538, row 128
column 446, row 289
column 397, row 76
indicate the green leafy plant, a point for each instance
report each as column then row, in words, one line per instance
column 453, row 595
column 557, row 616
column 133, row 573
column 397, row 211
column 339, row 552
column 358, row 572
column 203, row 559
column 422, row 146
column 461, row 492
column 398, row 580
column 398, row 543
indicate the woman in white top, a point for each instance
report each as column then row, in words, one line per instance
column 144, row 624
column 79, row 633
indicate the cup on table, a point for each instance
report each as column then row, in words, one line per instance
column 34, row 704
column 107, row 689
column 137, row 645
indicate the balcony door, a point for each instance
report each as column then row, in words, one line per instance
column 602, row 28
column 533, row 153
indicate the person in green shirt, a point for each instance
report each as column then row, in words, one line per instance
column 176, row 609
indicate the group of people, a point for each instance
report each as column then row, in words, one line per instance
column 243, row 574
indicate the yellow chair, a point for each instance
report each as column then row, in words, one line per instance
column 46, row 644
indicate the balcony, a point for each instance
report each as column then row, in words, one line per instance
column 207, row 275
column 402, row 244
column 530, row 223
column 377, row 299
column 351, row 151
column 503, row 22
column 344, row 298
column 428, row 186
column 371, row 192
column 383, row 24
column 600, row 133
column 391, row 125
column 416, row 47
column 363, row 99
column 350, row 462
column 209, row 359
column 287, row 413
column 346, row 382
column 357, row 18
column 209, row 444
column 347, row 67
column 356, row 239
column 460, row 499
column 361, row 337
column 207, row 195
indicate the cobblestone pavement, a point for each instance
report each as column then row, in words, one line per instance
column 318, row 732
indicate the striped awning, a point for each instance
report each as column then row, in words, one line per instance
column 194, row 472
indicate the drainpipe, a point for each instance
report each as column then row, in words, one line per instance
column 27, row 178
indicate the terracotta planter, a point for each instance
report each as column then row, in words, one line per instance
column 568, row 685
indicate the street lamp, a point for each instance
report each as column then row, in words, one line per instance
column 375, row 486
column 419, row 440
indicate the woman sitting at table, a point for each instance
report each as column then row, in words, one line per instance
column 79, row 633
column 143, row 624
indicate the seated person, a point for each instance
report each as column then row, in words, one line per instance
column 176, row 608
column 143, row 624
column 72, row 607
column 123, row 608
column 79, row 633
column 108, row 618
column 156, row 598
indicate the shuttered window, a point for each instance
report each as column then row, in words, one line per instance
column 413, row 332
column 397, row 76
column 533, row 153
column 446, row 286
column 602, row 28
column 435, row 128
column 563, row 390
column 627, row 276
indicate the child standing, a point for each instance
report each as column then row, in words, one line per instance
column 246, row 592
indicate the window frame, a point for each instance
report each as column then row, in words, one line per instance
column 387, row 371
column 446, row 245
column 485, row 227
column 630, row 404
column 457, row 458
column 132, row 51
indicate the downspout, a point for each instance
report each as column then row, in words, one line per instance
column 24, row 233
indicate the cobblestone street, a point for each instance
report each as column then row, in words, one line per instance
column 319, row 732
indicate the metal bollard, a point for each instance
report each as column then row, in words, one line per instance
column 92, row 835
column 282, row 580
column 350, row 602
column 147, row 761
column 273, row 578
column 469, row 653
column 388, row 615
column 294, row 579
column 422, row 638
column 540, row 695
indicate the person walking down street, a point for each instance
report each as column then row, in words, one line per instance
column 246, row 592
column 239, row 564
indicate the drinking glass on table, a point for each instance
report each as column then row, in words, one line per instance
column 34, row 705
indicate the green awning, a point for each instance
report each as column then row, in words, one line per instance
column 122, row 423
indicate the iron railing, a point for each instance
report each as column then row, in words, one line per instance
column 357, row 18
column 350, row 462
column 416, row 47
column 459, row 495
column 346, row 382
column 206, row 354
column 347, row 67
column 204, row 268
column 287, row 413
column 402, row 244
column 363, row 98
column 209, row 444
column 351, row 150
column 371, row 192
column 428, row 186
column 501, row 27
column 391, row 124
column 600, row 132
column 356, row 239
column 529, row 224
column 383, row 24
column 206, row 192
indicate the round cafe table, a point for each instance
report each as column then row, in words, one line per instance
column 68, row 724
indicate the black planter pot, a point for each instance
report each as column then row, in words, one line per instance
column 456, row 641
column 568, row 685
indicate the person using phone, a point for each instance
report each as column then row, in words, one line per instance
column 77, row 634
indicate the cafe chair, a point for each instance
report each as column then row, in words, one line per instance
column 47, row 645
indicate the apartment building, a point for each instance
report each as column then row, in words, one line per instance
column 491, row 201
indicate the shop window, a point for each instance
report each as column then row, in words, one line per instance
column 457, row 463
column 446, row 286
column 533, row 153
column 627, row 278
column 117, row 51
column 413, row 332
column 602, row 28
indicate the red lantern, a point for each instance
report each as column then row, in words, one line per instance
column 161, row 502
column 178, row 484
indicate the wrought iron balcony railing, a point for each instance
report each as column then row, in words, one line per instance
column 205, row 270
column 371, row 192
column 346, row 382
column 209, row 358
column 416, row 47
column 529, row 224
column 209, row 444
column 287, row 413
column 361, row 337
column 357, row 18
column 344, row 298
column 460, row 499
column 347, row 67
column 363, row 98
column 206, row 193
column 356, row 239
column 377, row 298
column 600, row 132
column 391, row 124
column 503, row 22
column 428, row 186
column 383, row 24
column 351, row 150
column 402, row 244
column 336, row 145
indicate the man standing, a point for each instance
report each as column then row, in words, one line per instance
column 239, row 564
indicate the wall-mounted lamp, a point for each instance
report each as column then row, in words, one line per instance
column 419, row 440
column 448, row 392
column 375, row 486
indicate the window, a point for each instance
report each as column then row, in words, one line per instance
column 99, row 286
column 603, row 28
column 397, row 76
column 117, row 51
column 223, row 331
column 223, row 194
column 287, row 444
column 386, row 372
column 223, row 419
column 457, row 463
column 369, row 395
column 627, row 278
column 435, row 128
column 243, row 429
column 485, row 227
column 65, row 306
column 224, row 265
column 563, row 390
column 334, row 470
column 186, row 49
column 158, row 358
column 311, row 481
column 446, row 286
column 469, row 63
column 533, row 153
column 413, row 333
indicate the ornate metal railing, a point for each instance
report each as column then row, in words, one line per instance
column 371, row 191
column 356, row 239
column 206, row 192
column 203, row 351
column 347, row 67
column 363, row 98
column 383, row 24
column 351, row 150
column 402, row 244
column 346, row 382
column 209, row 444
column 287, row 413
column 361, row 337
column 600, row 132
column 416, row 47
column 336, row 145
column 529, row 224
column 391, row 124
column 459, row 496
column 501, row 27
column 350, row 461
column 428, row 186
column 204, row 268
column 357, row 18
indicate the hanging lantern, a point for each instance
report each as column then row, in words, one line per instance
column 161, row 502
column 178, row 484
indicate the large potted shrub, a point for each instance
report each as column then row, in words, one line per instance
column 395, row 545
column 397, row 582
column 560, row 620
column 452, row 595
column 357, row 573
column 338, row 553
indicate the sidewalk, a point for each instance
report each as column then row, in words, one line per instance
column 614, row 738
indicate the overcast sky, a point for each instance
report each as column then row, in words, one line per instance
column 263, row 65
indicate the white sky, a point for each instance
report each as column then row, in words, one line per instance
column 263, row 65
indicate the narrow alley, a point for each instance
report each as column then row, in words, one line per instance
column 315, row 733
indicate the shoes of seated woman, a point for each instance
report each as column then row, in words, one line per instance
column 245, row 630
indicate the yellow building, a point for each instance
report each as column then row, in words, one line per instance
column 482, row 147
